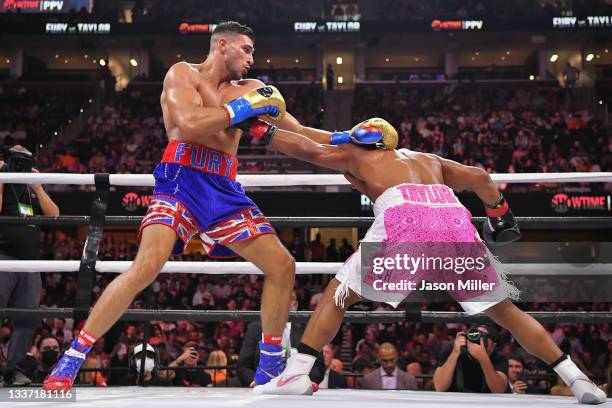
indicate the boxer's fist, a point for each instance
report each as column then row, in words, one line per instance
column 373, row 132
column 500, row 226
column 257, row 129
column 266, row 100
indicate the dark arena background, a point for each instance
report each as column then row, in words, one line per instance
column 521, row 89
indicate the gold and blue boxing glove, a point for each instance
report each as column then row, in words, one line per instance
column 374, row 132
column 266, row 100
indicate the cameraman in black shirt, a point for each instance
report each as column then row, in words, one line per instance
column 471, row 363
column 20, row 290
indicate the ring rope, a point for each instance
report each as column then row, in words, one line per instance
column 279, row 180
column 303, row 316
column 302, row 268
column 526, row 223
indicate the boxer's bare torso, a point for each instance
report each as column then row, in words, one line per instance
column 374, row 171
column 208, row 95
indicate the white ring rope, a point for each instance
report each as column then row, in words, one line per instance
column 263, row 180
column 302, row 268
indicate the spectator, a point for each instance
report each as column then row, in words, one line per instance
column 570, row 75
column 329, row 77
column 518, row 378
column 37, row 368
column 478, row 368
column 152, row 376
column 220, row 377
column 187, row 374
column 297, row 249
column 388, row 376
column 316, row 250
column 345, row 251
column 332, row 378
column 201, row 294
column 331, row 254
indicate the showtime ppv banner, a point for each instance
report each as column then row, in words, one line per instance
column 288, row 203
column 45, row 6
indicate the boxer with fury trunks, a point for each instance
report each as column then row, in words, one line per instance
column 414, row 203
column 196, row 193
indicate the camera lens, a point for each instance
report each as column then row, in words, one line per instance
column 473, row 335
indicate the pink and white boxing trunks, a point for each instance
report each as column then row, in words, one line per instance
column 425, row 221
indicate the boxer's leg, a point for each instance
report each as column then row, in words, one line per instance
column 526, row 330
column 154, row 250
column 155, row 247
column 327, row 318
column 278, row 266
column 268, row 254
column 536, row 340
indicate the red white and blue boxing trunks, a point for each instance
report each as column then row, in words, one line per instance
column 196, row 192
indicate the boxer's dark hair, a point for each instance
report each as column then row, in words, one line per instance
column 234, row 27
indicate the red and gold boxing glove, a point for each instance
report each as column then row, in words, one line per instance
column 258, row 129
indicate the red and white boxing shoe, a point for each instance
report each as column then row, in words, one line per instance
column 294, row 380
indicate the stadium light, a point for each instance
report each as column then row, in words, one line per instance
column 590, row 57
column 554, row 57
column 133, row 62
column 339, row 60
column 102, row 62
column 531, row 77
column 340, row 79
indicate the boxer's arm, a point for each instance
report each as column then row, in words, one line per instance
column 186, row 107
column 301, row 147
column 460, row 177
column 291, row 124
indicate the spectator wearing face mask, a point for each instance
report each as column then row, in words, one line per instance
column 152, row 376
column 37, row 368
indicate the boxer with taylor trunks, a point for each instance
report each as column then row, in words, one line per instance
column 196, row 192
column 414, row 206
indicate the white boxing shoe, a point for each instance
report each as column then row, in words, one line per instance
column 584, row 389
column 587, row 392
column 294, row 380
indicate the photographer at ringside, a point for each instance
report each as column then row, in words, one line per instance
column 471, row 363
column 20, row 242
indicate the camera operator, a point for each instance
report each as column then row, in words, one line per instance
column 472, row 364
column 20, row 242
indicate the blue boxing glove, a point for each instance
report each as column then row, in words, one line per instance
column 266, row 100
column 372, row 132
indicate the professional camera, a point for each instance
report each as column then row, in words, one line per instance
column 17, row 159
column 474, row 335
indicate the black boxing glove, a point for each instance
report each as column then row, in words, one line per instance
column 500, row 226
column 258, row 129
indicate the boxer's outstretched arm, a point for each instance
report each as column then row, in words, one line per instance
column 460, row 177
column 300, row 147
column 186, row 107
column 293, row 125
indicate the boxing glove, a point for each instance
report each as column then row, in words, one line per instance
column 257, row 129
column 500, row 226
column 266, row 100
column 372, row 132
